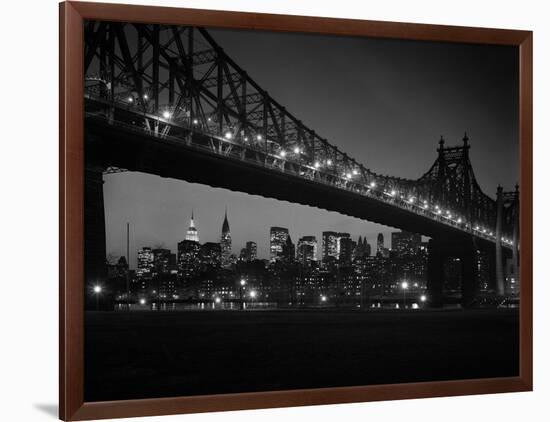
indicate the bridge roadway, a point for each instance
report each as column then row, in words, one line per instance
column 123, row 146
column 117, row 145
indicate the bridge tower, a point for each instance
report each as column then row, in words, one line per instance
column 467, row 180
column 510, row 229
column 452, row 184
column 439, row 194
column 499, row 266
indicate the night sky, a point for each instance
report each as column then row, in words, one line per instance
column 384, row 102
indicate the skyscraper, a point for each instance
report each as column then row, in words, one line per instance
column 359, row 250
column 342, row 242
column 277, row 240
column 192, row 232
column 405, row 243
column 307, row 249
column 380, row 244
column 225, row 242
column 345, row 249
column 163, row 260
column 188, row 259
column 289, row 251
column 164, row 273
column 251, row 251
column 366, row 247
column 330, row 245
column 363, row 248
column 145, row 261
column 210, row 255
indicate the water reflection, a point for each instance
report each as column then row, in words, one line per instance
column 198, row 306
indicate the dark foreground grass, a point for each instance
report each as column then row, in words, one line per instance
column 146, row 355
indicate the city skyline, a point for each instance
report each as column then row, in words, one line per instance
column 190, row 229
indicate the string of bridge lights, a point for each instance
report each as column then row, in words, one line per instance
column 393, row 194
column 348, row 176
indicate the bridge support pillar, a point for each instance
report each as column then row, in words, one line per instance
column 438, row 252
column 470, row 283
column 436, row 260
column 492, row 270
column 94, row 232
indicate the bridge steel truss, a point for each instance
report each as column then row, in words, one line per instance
column 176, row 82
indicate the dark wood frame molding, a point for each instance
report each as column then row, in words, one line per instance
column 71, row 182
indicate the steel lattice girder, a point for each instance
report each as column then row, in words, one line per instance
column 181, row 72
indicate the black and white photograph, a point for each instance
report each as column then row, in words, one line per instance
column 270, row 211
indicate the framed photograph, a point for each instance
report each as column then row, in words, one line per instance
column 266, row 210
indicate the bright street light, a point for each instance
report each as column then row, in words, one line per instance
column 282, row 154
column 97, row 291
column 142, row 301
column 228, row 135
column 404, row 286
column 329, row 162
column 166, row 114
column 323, row 298
column 242, row 282
column 317, row 165
column 423, row 298
column 296, row 150
column 372, row 184
column 252, row 294
column 218, row 300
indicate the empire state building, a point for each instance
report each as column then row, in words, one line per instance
column 192, row 232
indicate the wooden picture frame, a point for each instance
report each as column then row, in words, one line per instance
column 71, row 161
